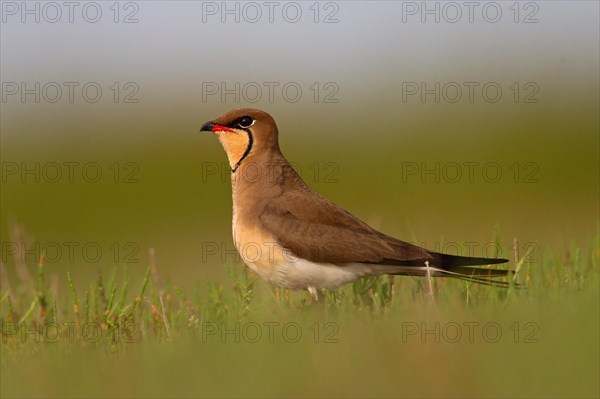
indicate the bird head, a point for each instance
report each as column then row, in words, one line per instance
column 243, row 133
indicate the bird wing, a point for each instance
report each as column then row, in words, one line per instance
column 315, row 229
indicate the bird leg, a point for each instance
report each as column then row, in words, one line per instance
column 314, row 293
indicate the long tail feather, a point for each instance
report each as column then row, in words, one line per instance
column 474, row 274
column 448, row 261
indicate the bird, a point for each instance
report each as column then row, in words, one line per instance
column 293, row 237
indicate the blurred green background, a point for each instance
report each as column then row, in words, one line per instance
column 172, row 190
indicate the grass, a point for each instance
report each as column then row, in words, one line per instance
column 130, row 335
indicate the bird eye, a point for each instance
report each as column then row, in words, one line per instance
column 245, row 122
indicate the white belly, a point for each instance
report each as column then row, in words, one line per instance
column 304, row 274
column 296, row 273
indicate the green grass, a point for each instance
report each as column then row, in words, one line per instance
column 131, row 336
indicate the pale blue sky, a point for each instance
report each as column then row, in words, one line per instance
column 370, row 51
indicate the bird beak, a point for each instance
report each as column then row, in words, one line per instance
column 213, row 127
column 207, row 127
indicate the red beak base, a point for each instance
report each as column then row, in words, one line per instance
column 213, row 127
column 219, row 128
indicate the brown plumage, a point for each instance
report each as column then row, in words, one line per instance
column 302, row 240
